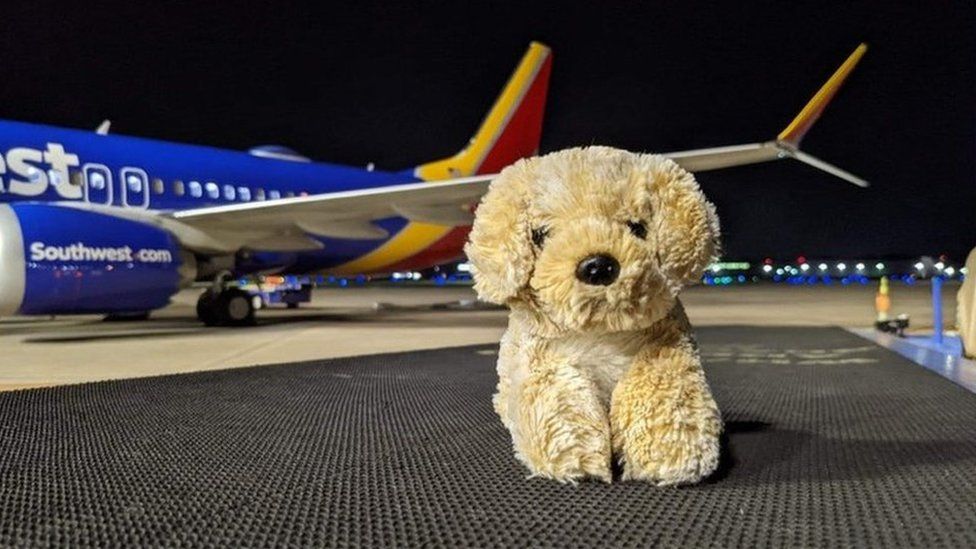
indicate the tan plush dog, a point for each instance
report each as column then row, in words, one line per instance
column 589, row 248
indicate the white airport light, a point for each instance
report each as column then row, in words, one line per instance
column 859, row 266
column 804, row 267
column 779, row 271
column 464, row 267
column 767, row 268
column 950, row 271
column 822, row 266
column 841, row 267
column 919, row 266
column 716, row 268
column 940, row 265
column 879, row 266
column 964, row 270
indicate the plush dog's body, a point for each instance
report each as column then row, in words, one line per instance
column 589, row 248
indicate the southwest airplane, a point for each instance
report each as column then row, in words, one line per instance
column 98, row 223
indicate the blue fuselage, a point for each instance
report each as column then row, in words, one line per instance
column 49, row 164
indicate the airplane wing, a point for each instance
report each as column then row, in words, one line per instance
column 787, row 143
column 284, row 224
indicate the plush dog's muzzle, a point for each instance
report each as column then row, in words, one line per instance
column 598, row 270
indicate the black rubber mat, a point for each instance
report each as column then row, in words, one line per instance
column 831, row 442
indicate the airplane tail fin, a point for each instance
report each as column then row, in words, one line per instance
column 511, row 130
column 788, row 140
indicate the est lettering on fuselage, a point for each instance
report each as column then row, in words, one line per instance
column 21, row 173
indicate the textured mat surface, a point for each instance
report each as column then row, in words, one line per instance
column 831, row 442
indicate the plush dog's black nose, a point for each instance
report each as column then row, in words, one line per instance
column 598, row 270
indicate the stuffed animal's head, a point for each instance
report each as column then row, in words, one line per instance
column 592, row 238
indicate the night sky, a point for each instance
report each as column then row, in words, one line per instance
column 403, row 83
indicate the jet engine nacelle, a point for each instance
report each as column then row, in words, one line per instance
column 65, row 260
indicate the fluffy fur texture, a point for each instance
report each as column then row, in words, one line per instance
column 589, row 374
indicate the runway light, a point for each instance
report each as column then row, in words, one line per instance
column 822, row 266
column 841, row 267
column 940, row 265
column 767, row 268
column 804, row 267
column 464, row 267
column 964, row 270
column 950, row 271
column 859, row 266
column 919, row 266
column 779, row 272
column 879, row 266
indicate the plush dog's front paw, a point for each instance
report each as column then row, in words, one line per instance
column 679, row 453
column 567, row 450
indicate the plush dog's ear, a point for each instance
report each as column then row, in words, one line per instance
column 685, row 223
column 499, row 246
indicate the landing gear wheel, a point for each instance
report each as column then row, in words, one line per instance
column 231, row 307
column 235, row 308
column 207, row 309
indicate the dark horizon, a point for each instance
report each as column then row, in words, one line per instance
column 402, row 84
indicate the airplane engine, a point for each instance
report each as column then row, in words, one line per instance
column 65, row 260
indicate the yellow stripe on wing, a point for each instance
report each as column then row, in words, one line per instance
column 412, row 239
column 803, row 121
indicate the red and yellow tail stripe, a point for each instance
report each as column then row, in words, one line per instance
column 800, row 125
column 511, row 130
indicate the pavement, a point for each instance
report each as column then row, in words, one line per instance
column 830, row 441
column 342, row 322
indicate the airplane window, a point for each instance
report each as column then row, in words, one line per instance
column 134, row 182
column 229, row 192
column 75, row 178
column 196, row 191
column 158, row 186
column 96, row 180
column 259, row 194
column 178, row 188
column 274, row 195
column 244, row 194
column 213, row 191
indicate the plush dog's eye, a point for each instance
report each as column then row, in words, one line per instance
column 638, row 228
column 539, row 236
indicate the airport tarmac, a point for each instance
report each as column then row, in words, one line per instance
column 353, row 321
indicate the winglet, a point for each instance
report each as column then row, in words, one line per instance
column 103, row 128
column 800, row 125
